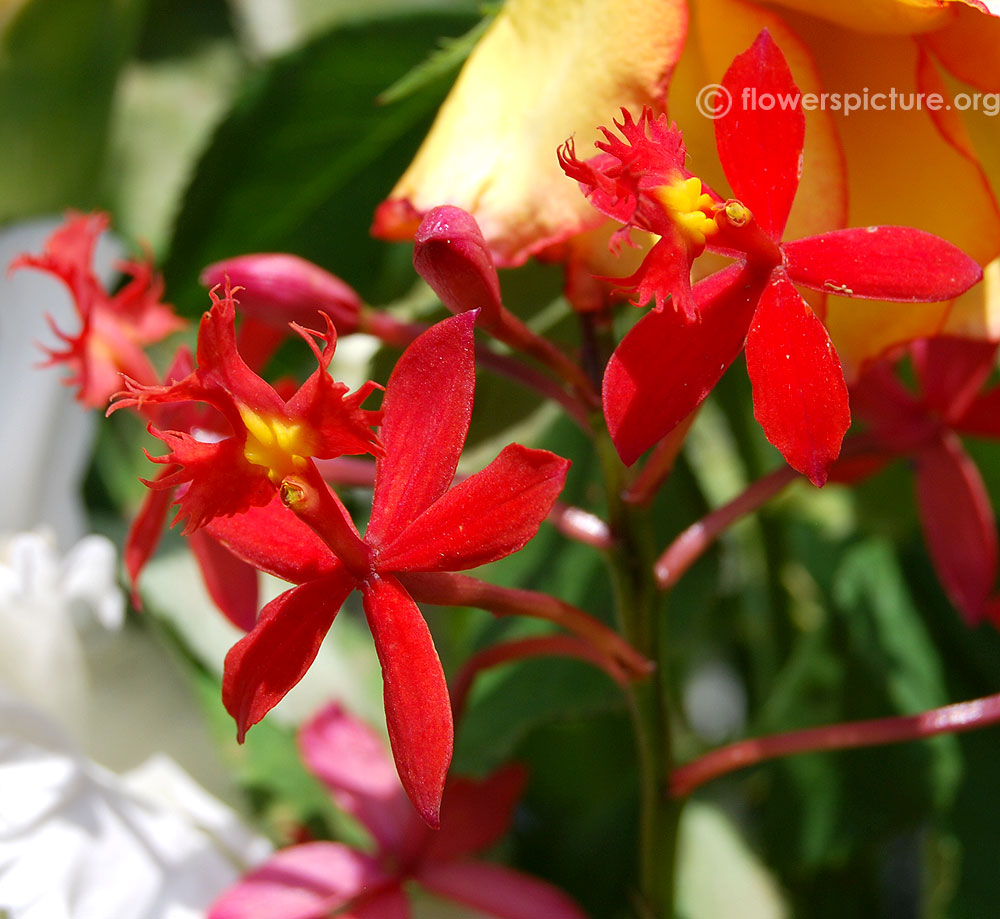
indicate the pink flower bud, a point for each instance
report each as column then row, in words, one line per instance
column 280, row 288
column 451, row 255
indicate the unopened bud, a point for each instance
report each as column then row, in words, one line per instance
column 451, row 255
column 279, row 289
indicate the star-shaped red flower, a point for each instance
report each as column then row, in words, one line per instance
column 955, row 509
column 114, row 329
column 667, row 364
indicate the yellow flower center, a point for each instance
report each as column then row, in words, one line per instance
column 281, row 448
column 689, row 208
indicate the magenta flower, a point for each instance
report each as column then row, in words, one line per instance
column 320, row 879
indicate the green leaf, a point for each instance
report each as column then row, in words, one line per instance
column 59, row 65
column 306, row 155
column 442, row 61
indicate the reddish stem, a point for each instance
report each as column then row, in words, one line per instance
column 522, row 648
column 685, row 550
column 951, row 719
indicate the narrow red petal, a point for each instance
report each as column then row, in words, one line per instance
column 799, row 393
column 882, row 263
column 417, row 706
column 982, row 417
column 426, row 412
column 231, row 582
column 665, row 366
column 484, row 518
column 274, row 540
column 265, row 664
column 761, row 148
column 951, row 371
column 958, row 525
column 144, row 534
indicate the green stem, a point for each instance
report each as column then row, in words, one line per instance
column 639, row 605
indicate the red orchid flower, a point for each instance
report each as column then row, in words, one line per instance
column 276, row 290
column 955, row 510
column 269, row 437
column 114, row 328
column 417, row 524
column 318, row 879
column 666, row 364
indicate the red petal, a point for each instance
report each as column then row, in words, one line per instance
column 982, row 418
column 958, row 525
column 951, row 371
column 220, row 481
column 265, row 664
column 231, row 582
column 417, row 706
column 274, row 540
column 664, row 272
column 498, row 891
column 476, row 813
column 334, row 417
column 665, row 366
column 799, row 394
column 882, row 263
column 353, row 762
column 761, row 149
column 144, row 534
column 487, row 517
column 426, row 412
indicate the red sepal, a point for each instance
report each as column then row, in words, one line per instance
column 274, row 540
column 484, row 518
column 958, row 524
column 951, row 372
column 231, row 582
column 144, row 535
column 426, row 412
column 265, row 664
column 882, row 263
column 417, row 706
column 799, row 394
column 665, row 366
column 761, row 149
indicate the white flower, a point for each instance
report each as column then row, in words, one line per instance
column 43, row 603
column 78, row 842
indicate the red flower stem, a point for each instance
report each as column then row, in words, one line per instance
column 951, row 719
column 660, row 464
column 447, row 589
column 399, row 334
column 309, row 497
column 514, row 332
column 521, row 649
column 688, row 547
column 573, row 522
